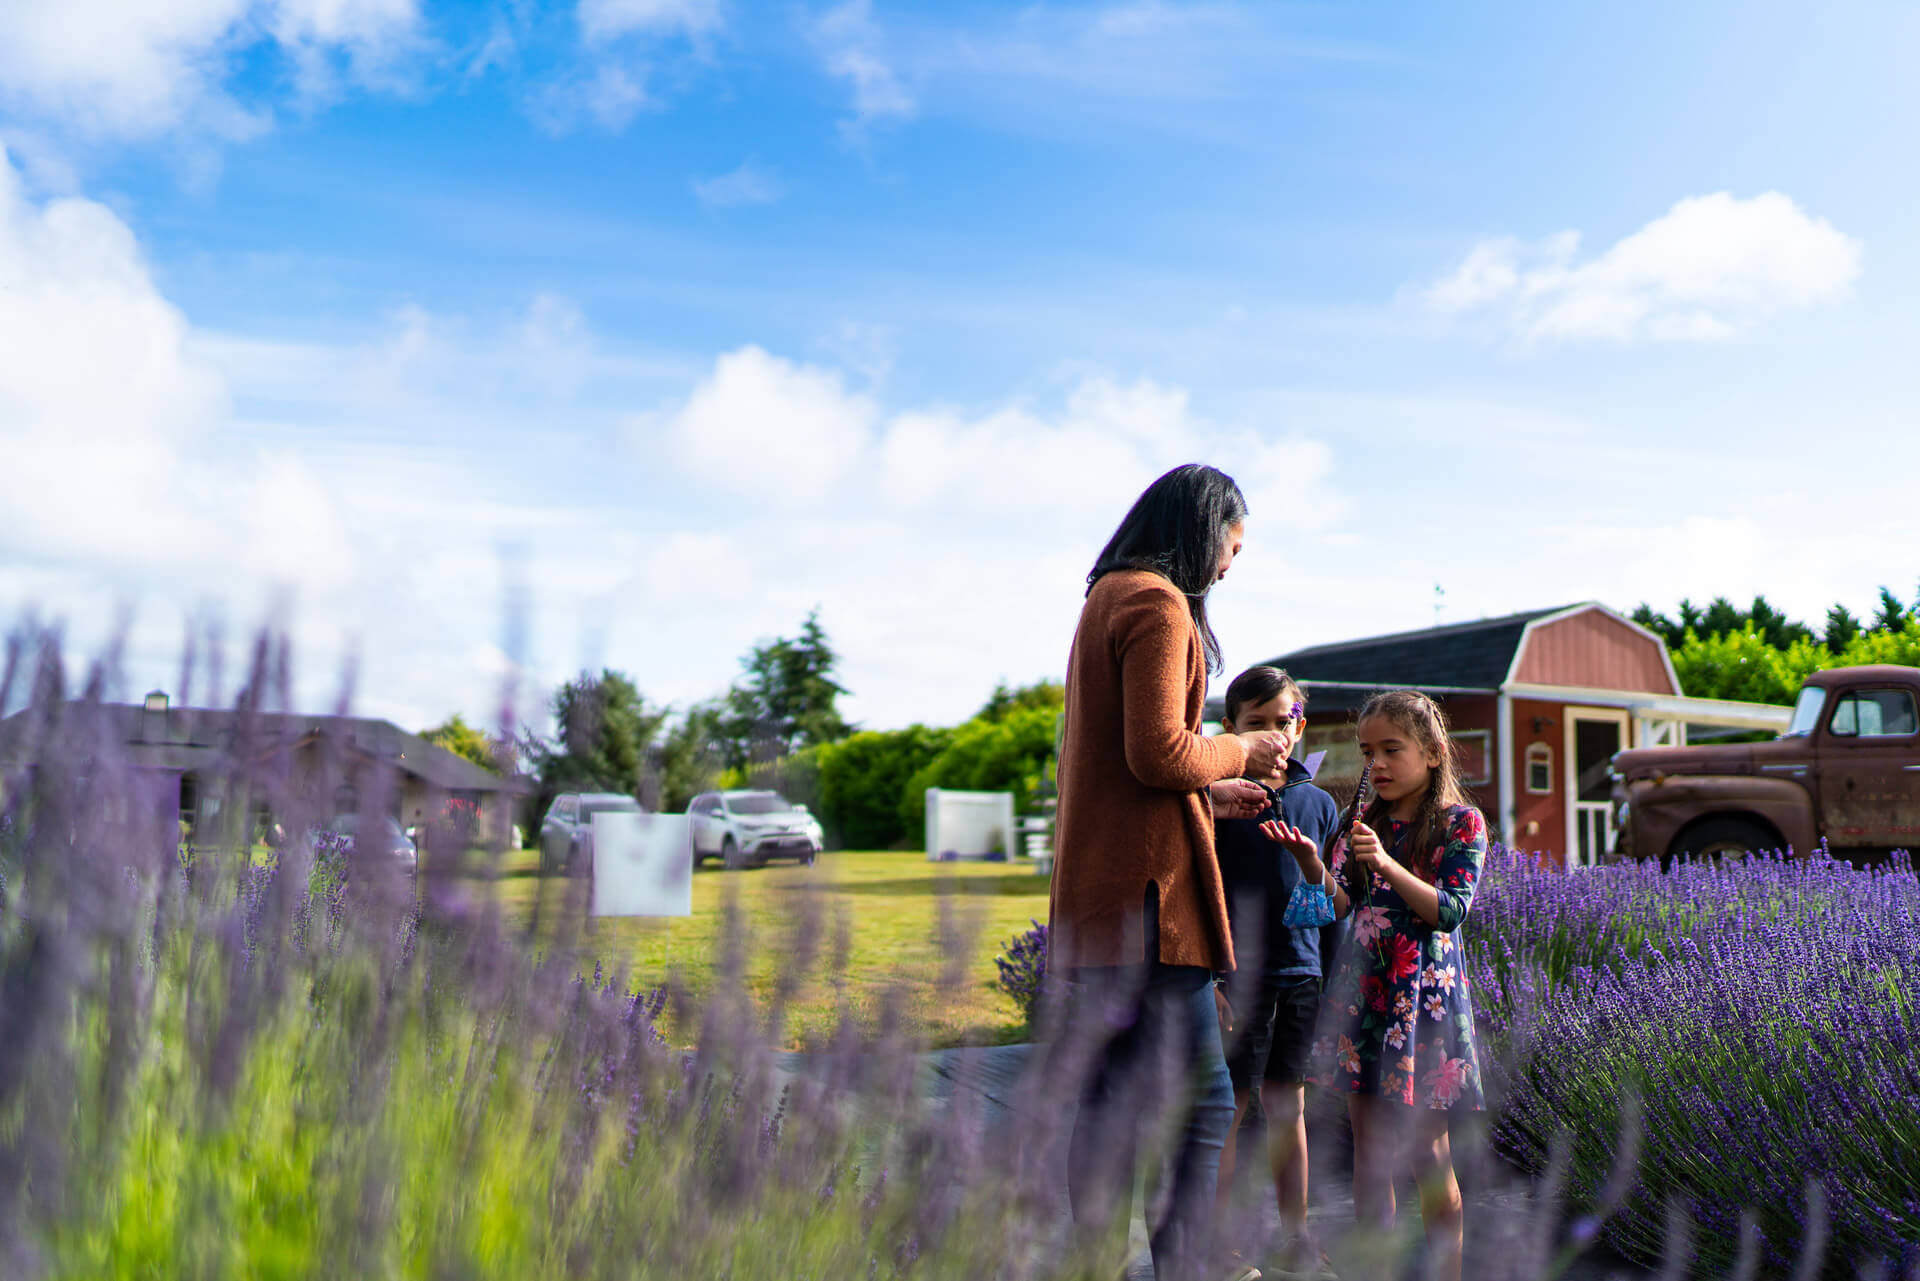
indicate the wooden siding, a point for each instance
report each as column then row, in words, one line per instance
column 1540, row 821
column 1595, row 651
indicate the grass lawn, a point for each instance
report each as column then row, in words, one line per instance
column 888, row 908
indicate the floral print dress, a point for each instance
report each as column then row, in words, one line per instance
column 1397, row 1020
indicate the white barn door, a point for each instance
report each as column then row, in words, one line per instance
column 1594, row 735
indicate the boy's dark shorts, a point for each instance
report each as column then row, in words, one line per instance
column 1275, row 1037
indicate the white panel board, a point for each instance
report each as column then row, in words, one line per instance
column 968, row 824
column 642, row 865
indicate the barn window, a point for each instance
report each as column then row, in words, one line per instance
column 1470, row 754
column 1539, row 768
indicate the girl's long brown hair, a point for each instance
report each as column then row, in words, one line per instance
column 1420, row 718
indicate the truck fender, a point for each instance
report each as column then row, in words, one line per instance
column 1662, row 807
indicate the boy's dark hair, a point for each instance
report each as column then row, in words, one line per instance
column 1178, row 528
column 1256, row 685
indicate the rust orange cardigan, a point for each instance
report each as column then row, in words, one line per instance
column 1133, row 772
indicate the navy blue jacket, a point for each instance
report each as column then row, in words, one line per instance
column 1260, row 875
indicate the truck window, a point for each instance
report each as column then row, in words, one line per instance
column 1806, row 712
column 1874, row 713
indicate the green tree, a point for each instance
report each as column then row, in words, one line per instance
column 1892, row 616
column 1006, row 699
column 1842, row 627
column 462, row 739
column 863, row 777
column 1659, row 624
column 692, row 755
column 787, row 698
column 606, row 740
column 1741, row 665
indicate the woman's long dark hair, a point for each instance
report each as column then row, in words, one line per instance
column 1178, row 528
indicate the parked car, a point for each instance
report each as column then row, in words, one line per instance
column 382, row 834
column 745, row 828
column 1847, row 771
column 566, row 833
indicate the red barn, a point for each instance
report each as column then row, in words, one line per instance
column 1539, row 703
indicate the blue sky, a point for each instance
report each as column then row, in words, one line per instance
column 685, row 316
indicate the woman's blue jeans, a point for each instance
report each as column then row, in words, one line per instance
column 1154, row 1035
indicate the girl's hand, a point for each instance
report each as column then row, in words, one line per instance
column 1364, row 843
column 1237, row 798
column 1292, row 839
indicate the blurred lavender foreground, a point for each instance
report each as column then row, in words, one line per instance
column 223, row 1060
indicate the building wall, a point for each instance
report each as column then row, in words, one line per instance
column 1596, row 651
column 1341, row 769
column 1540, row 821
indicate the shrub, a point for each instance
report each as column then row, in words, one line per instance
column 861, row 780
column 1023, row 970
column 1011, row 754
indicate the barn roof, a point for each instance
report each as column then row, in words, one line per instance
column 1457, row 657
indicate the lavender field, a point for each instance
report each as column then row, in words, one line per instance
column 1760, row 1019
column 323, row 1067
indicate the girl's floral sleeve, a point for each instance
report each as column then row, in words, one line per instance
column 1460, row 866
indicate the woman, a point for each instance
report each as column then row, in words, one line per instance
column 1139, row 916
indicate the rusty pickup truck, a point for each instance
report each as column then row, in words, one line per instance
column 1846, row 771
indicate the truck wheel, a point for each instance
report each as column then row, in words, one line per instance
column 1720, row 838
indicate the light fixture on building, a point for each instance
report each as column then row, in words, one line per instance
column 157, row 700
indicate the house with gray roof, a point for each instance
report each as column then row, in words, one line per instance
column 322, row 765
column 1539, row 703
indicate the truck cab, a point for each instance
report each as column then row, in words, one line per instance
column 1846, row 771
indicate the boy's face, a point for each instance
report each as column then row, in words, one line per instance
column 1275, row 714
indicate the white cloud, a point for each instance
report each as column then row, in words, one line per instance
column 750, row 184
column 853, row 48
column 608, row 95
column 107, row 409
column 1709, row 268
column 142, row 68
column 606, row 19
column 770, row 430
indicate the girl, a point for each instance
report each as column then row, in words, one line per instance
column 1396, row 1032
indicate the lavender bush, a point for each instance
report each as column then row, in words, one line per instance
column 1023, row 970
column 1763, row 1013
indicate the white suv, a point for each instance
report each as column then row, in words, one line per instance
column 747, row 828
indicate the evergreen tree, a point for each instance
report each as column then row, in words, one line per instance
column 1779, row 630
column 692, row 755
column 787, row 699
column 1659, row 624
column 1892, row 616
column 1691, row 620
column 606, row 741
column 1842, row 627
column 1721, row 617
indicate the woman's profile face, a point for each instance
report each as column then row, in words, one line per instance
column 1229, row 548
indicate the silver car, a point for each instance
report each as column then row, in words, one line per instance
column 566, row 833
column 745, row 829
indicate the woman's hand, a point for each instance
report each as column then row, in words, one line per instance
column 1266, row 752
column 1222, row 1008
column 1237, row 798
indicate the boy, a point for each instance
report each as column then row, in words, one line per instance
column 1271, row 1039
